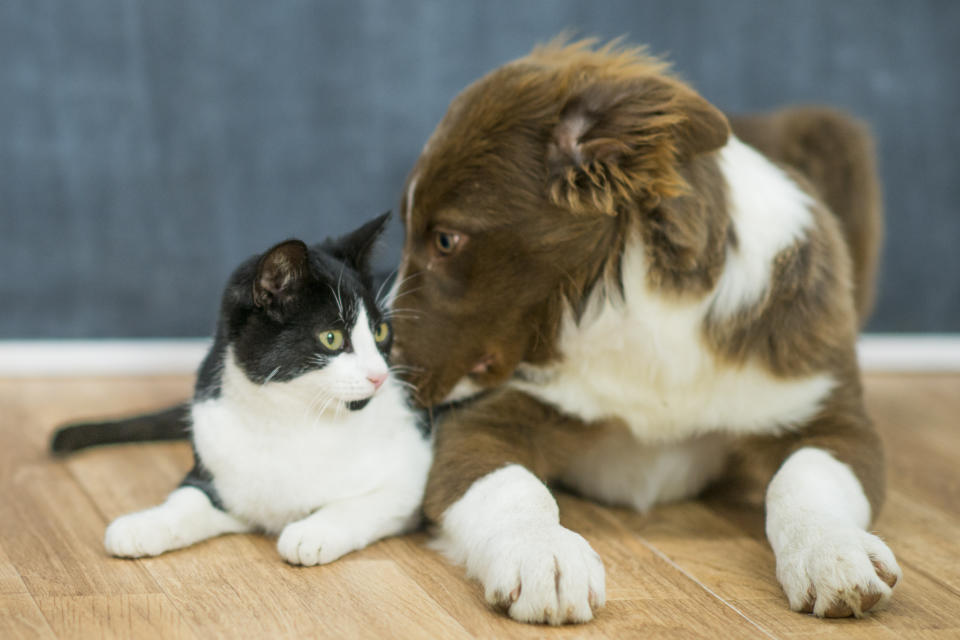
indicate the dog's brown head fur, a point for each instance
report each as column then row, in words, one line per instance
column 521, row 200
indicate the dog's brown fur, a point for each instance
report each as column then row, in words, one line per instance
column 836, row 154
column 546, row 168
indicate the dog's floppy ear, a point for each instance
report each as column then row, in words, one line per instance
column 621, row 140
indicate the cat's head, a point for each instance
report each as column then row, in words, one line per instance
column 307, row 317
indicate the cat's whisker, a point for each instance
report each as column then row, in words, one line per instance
column 400, row 294
column 395, row 289
column 339, row 299
column 407, row 385
column 412, row 312
column 323, row 408
column 272, row 375
column 405, row 368
column 377, row 298
column 336, row 298
column 321, row 399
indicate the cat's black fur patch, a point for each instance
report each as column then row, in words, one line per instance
column 356, row 405
column 200, row 478
column 274, row 333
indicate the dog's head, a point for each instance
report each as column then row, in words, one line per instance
column 522, row 199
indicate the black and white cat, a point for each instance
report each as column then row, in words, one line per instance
column 298, row 428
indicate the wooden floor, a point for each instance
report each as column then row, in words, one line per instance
column 689, row 570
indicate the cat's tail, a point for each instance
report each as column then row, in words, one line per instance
column 172, row 423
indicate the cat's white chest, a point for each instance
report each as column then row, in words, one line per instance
column 273, row 465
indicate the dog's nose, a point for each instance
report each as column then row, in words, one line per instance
column 377, row 379
column 484, row 364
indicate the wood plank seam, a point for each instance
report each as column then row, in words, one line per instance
column 663, row 556
column 26, row 591
column 103, row 517
column 610, row 517
column 906, row 563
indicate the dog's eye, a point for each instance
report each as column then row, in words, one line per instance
column 446, row 242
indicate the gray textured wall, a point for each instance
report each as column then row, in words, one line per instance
column 147, row 147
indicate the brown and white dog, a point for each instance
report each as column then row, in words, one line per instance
column 638, row 303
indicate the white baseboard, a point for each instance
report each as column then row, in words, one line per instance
column 909, row 352
column 37, row 358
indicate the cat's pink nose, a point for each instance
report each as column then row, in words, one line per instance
column 377, row 379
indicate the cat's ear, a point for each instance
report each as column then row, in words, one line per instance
column 280, row 273
column 355, row 247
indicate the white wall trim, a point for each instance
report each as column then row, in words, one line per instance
column 909, row 352
column 37, row 358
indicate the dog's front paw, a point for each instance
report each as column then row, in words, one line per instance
column 836, row 572
column 310, row 543
column 554, row 577
column 139, row 534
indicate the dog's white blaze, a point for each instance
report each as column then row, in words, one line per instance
column 401, row 270
column 506, row 530
column 644, row 360
column 816, row 516
column 410, row 201
column 769, row 213
column 276, row 431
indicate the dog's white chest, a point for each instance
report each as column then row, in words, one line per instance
column 645, row 363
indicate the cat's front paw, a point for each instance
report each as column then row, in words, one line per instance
column 139, row 534
column 554, row 576
column 836, row 572
column 309, row 543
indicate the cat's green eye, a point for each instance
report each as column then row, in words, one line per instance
column 383, row 330
column 332, row 340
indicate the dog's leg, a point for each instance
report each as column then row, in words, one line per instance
column 818, row 507
column 486, row 491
